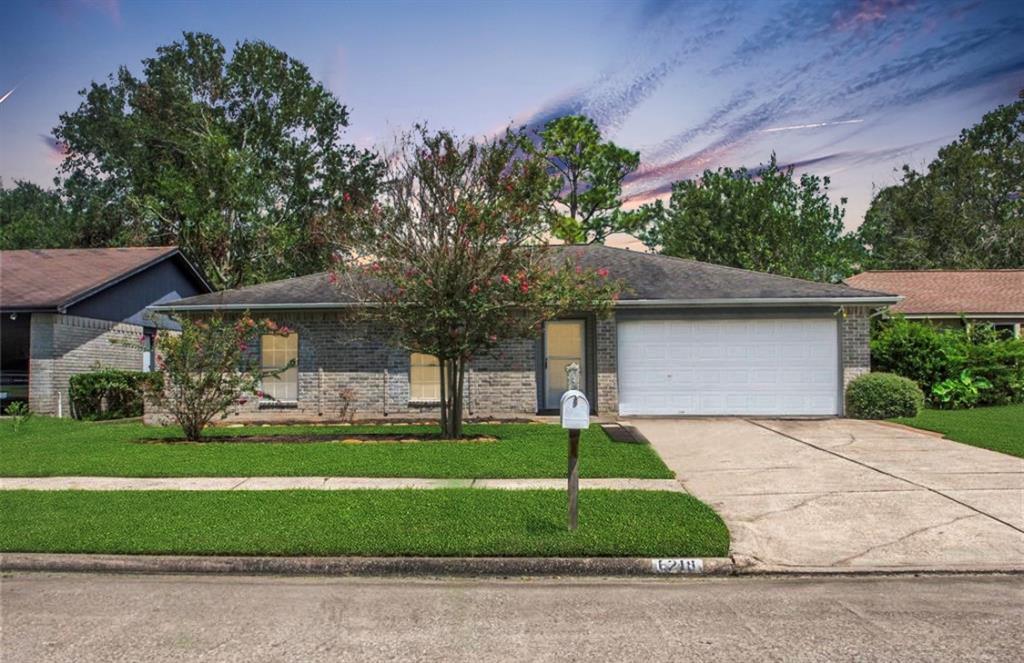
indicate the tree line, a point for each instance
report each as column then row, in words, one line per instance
column 240, row 158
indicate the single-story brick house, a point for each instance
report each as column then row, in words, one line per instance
column 685, row 338
column 947, row 296
column 60, row 309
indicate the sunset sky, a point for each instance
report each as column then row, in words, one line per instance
column 841, row 88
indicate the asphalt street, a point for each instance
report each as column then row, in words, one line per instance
column 82, row 617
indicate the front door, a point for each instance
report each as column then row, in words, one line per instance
column 563, row 345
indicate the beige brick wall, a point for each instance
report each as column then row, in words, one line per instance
column 62, row 345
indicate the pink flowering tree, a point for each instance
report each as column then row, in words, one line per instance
column 209, row 368
column 453, row 258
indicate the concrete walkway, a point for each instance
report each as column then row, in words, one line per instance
column 317, row 483
column 849, row 494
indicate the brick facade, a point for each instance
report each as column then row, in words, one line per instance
column 856, row 335
column 62, row 345
column 337, row 354
column 607, row 339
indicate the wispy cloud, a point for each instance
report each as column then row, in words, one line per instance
column 813, row 125
column 852, row 63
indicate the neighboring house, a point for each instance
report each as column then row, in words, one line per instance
column 60, row 309
column 685, row 338
column 951, row 296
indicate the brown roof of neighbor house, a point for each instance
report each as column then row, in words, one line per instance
column 950, row 292
column 649, row 280
column 52, row 279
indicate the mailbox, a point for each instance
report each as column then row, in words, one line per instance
column 575, row 410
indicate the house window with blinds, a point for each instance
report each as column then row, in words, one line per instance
column 276, row 352
column 424, row 378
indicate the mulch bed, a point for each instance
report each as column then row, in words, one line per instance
column 308, row 438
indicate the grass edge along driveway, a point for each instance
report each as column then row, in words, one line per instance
column 61, row 447
column 997, row 428
column 443, row 522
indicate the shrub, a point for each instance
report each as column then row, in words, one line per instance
column 207, row 369
column 883, row 396
column 19, row 413
column 917, row 350
column 933, row 356
column 963, row 391
column 107, row 394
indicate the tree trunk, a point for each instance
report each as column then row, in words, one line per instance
column 452, row 380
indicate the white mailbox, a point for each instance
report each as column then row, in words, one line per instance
column 575, row 410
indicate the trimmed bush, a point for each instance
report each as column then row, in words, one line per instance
column 883, row 396
column 107, row 394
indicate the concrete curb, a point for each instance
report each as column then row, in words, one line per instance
column 366, row 566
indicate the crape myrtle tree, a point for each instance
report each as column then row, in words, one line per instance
column 237, row 157
column 451, row 259
column 208, row 369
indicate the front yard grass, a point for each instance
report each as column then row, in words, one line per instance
column 442, row 522
column 60, row 447
column 999, row 428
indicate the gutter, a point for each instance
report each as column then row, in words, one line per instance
column 629, row 303
column 169, row 308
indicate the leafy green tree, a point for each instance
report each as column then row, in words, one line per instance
column 452, row 258
column 32, row 217
column 763, row 220
column 591, row 174
column 966, row 212
column 238, row 159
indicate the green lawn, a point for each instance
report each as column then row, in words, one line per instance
column 61, row 447
column 444, row 522
column 999, row 428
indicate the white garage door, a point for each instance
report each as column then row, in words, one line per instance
column 784, row 366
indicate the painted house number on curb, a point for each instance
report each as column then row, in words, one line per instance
column 682, row 565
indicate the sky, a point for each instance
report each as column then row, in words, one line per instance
column 849, row 89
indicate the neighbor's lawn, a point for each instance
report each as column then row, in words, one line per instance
column 61, row 447
column 999, row 428
column 444, row 522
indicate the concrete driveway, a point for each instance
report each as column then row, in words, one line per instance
column 849, row 494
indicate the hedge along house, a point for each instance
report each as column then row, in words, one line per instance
column 61, row 308
column 685, row 338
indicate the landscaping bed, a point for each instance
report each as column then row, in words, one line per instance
column 442, row 522
column 60, row 447
column 337, row 438
column 998, row 428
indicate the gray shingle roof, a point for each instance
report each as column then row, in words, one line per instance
column 648, row 278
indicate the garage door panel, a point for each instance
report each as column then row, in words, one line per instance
column 735, row 366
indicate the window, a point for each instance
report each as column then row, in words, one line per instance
column 424, row 378
column 275, row 353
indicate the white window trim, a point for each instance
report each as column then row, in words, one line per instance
column 280, row 402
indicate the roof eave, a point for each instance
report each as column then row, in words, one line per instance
column 758, row 301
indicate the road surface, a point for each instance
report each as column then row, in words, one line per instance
column 79, row 617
